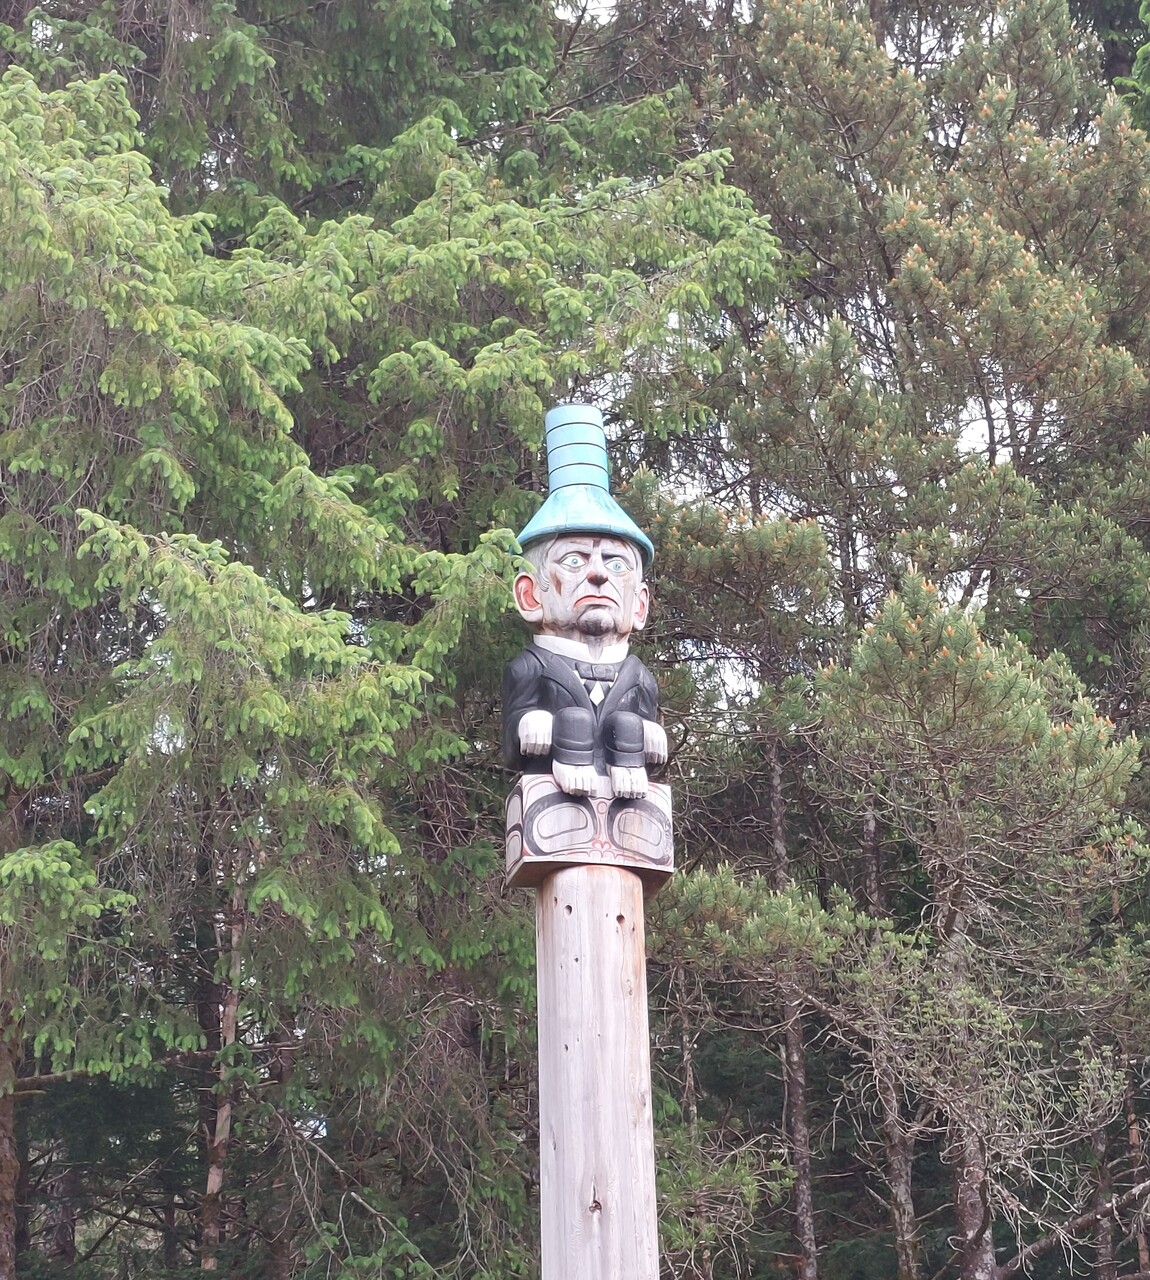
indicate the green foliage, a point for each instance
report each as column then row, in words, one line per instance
column 998, row 747
column 862, row 292
column 286, row 298
column 996, row 769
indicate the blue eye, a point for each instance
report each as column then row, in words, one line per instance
column 573, row 561
column 617, row 565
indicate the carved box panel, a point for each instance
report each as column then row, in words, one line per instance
column 548, row 829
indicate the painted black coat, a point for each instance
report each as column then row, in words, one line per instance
column 610, row 734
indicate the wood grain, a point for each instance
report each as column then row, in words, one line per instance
column 596, row 1138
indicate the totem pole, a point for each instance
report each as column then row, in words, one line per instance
column 589, row 831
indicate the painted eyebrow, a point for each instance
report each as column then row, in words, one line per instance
column 588, row 549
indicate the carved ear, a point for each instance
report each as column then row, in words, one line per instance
column 527, row 598
column 642, row 606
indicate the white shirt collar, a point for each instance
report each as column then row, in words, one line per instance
column 578, row 650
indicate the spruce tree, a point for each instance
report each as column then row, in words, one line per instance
column 265, row 432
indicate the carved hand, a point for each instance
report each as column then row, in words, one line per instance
column 654, row 743
column 535, row 733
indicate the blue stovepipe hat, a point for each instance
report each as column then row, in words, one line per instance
column 579, row 500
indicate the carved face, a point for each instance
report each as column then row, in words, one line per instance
column 585, row 587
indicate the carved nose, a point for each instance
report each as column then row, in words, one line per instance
column 597, row 574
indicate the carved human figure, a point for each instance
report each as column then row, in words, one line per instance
column 577, row 703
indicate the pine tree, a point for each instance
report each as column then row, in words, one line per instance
column 952, row 383
column 1009, row 786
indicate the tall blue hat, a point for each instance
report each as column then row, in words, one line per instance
column 579, row 500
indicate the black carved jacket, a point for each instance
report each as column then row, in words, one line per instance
column 541, row 680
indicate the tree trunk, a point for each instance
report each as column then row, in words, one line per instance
column 171, row 1246
column 219, row 1142
column 874, row 899
column 1105, row 1267
column 849, row 575
column 794, row 1048
column 281, row 1248
column 780, row 863
column 282, row 1257
column 880, row 18
column 971, row 1208
column 799, row 1133
column 1137, row 1165
column 23, row 1196
column 64, row 1193
column 9, row 1160
column 11, row 837
column 899, row 1146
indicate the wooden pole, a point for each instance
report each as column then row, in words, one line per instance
column 591, row 862
column 597, row 1161
column 591, row 834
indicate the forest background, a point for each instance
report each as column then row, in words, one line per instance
column 285, row 290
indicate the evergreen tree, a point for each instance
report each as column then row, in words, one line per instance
column 952, row 383
column 861, row 290
column 260, row 437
